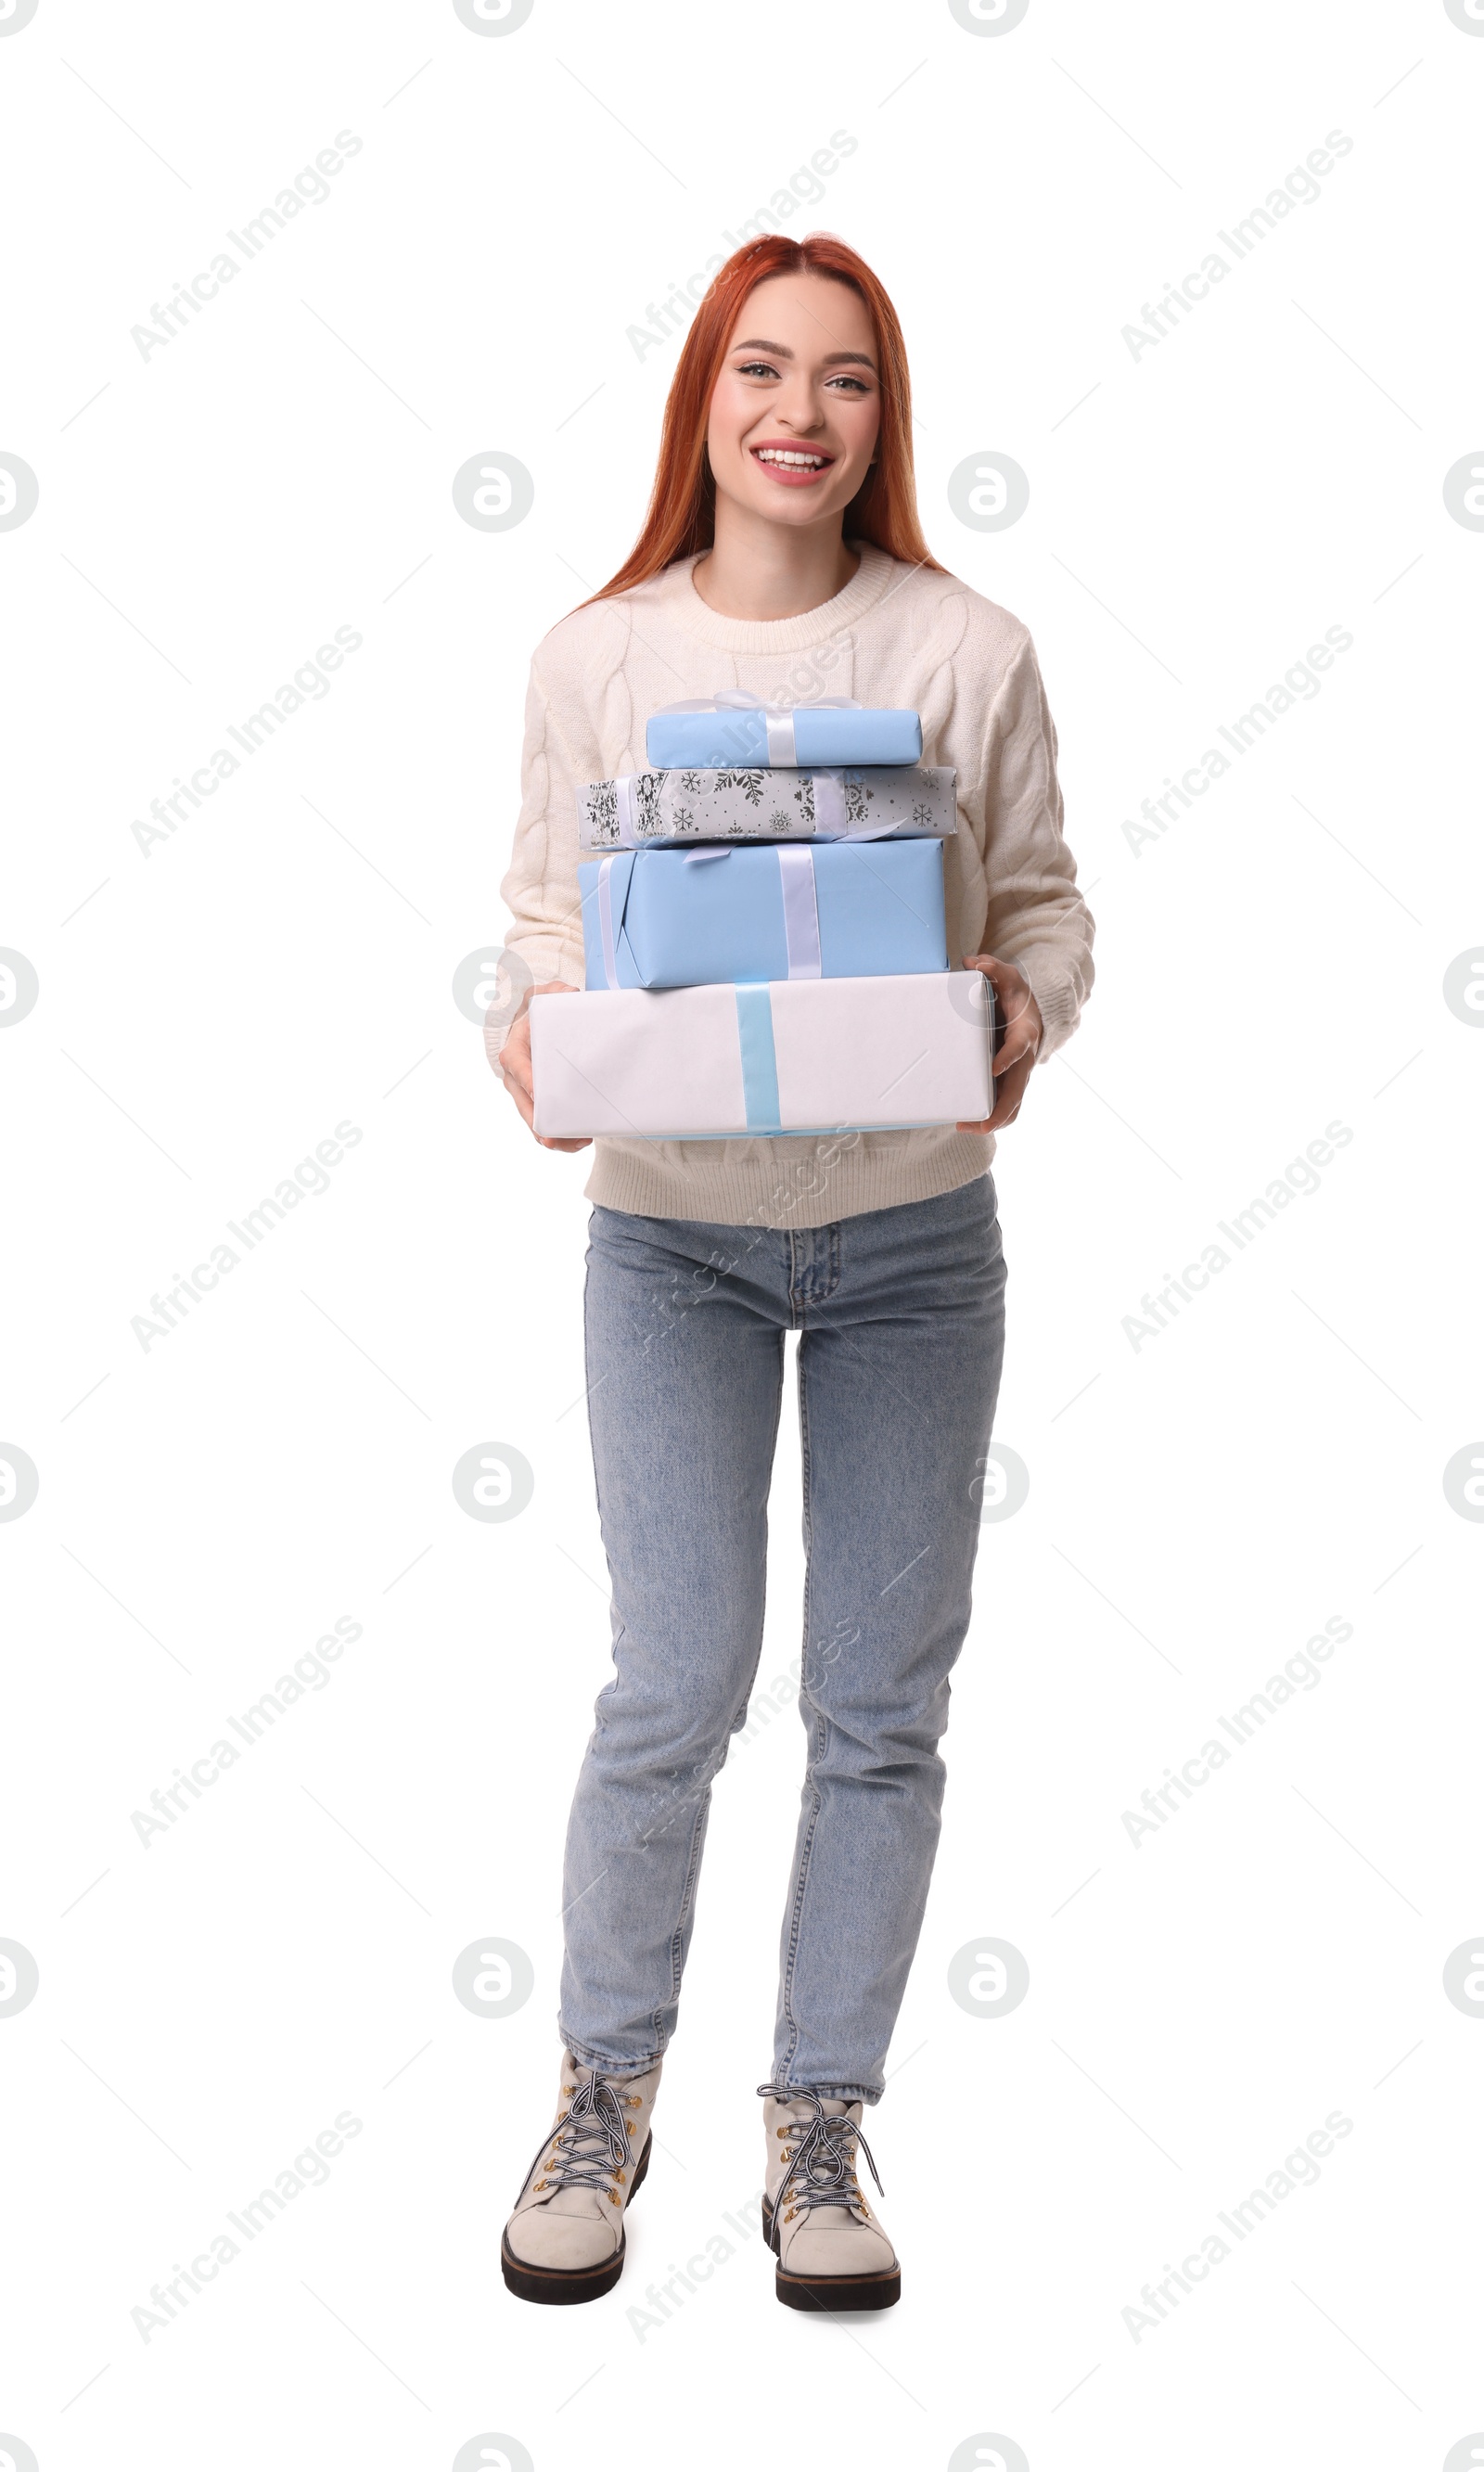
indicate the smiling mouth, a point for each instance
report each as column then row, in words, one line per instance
column 794, row 466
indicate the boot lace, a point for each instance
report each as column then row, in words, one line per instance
column 590, row 2146
column 819, row 2166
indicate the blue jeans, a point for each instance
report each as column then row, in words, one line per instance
column 902, row 1321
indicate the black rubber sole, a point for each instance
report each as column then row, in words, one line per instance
column 561, row 2286
column 830, row 2292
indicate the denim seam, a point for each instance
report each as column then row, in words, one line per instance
column 801, row 1885
column 801, row 1876
column 802, row 1291
column 686, row 1895
column 838, row 2092
column 589, row 2059
column 697, row 1833
column 740, row 1709
column 657, row 2019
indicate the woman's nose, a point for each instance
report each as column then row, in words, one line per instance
column 799, row 408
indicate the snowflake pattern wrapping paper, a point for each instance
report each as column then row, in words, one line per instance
column 865, row 802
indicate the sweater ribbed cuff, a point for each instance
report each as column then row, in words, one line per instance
column 809, row 1181
column 548, row 958
column 1056, row 999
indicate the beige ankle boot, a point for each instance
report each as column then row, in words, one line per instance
column 564, row 2240
column 833, row 2252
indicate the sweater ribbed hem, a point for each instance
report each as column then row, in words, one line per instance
column 807, row 1181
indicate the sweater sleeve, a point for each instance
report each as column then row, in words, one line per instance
column 540, row 886
column 1036, row 919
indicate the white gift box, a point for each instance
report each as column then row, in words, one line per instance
column 794, row 1055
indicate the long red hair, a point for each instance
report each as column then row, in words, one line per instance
column 681, row 518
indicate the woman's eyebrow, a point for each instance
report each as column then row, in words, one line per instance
column 757, row 343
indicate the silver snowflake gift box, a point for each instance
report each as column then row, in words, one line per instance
column 670, row 810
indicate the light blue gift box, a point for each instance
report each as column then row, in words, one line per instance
column 759, row 913
column 744, row 734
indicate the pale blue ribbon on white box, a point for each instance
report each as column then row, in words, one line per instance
column 758, row 1059
column 800, row 910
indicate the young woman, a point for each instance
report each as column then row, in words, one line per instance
column 782, row 554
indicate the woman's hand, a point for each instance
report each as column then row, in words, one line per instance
column 1022, row 1029
column 515, row 1065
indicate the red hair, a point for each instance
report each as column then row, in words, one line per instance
column 681, row 518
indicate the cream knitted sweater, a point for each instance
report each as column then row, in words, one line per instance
column 898, row 635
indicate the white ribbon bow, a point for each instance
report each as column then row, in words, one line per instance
column 777, row 718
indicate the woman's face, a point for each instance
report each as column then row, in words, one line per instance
column 796, row 408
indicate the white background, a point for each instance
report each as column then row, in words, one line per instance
column 1199, row 1506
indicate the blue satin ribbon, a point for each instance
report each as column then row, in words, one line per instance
column 759, row 1060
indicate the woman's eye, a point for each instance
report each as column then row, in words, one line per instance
column 757, row 370
column 855, row 386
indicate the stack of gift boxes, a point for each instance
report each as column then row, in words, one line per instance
column 764, row 928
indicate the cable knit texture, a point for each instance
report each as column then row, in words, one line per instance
column 896, row 634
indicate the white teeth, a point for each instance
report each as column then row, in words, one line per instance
column 781, row 455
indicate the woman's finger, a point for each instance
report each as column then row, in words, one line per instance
column 1009, row 1091
column 525, row 1107
column 515, row 1070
